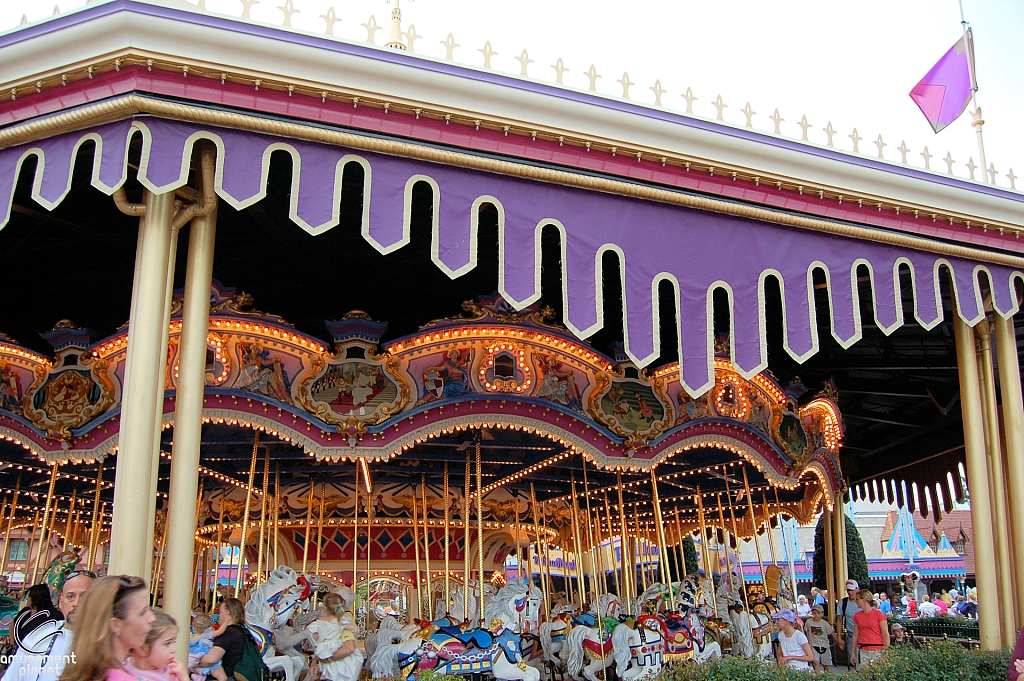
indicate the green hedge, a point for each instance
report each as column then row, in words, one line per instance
column 939, row 626
column 939, row 661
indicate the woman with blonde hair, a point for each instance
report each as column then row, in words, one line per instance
column 870, row 630
column 111, row 620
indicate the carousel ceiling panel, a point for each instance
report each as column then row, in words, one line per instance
column 696, row 252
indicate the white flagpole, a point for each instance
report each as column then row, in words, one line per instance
column 977, row 121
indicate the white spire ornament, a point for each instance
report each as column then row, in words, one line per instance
column 395, row 37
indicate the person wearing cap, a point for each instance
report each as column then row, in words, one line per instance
column 847, row 610
column 819, row 631
column 795, row 650
column 870, row 631
column 899, row 635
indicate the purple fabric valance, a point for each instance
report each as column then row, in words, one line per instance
column 694, row 250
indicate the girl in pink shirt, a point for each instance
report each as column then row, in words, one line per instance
column 154, row 659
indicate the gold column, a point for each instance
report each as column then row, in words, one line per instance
column 611, row 545
column 220, row 547
column 46, row 518
column 1013, row 432
column 263, row 517
column 71, row 514
column 753, row 525
column 639, row 548
column 997, row 482
column 426, row 543
column 417, row 582
column 681, row 553
column 830, row 569
column 628, row 581
column 466, row 503
column 320, row 542
column 536, row 549
column 309, row 523
column 736, row 538
column 355, row 530
column 277, row 513
column 369, row 529
column 977, row 478
column 768, row 527
column 248, row 507
column 660, row 534
column 447, row 545
column 595, row 582
column 704, row 552
column 480, row 526
column 839, row 546
column 546, row 564
column 10, row 526
column 577, row 543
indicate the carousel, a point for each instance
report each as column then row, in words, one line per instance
column 529, row 370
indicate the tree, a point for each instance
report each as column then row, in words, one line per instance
column 857, row 562
column 690, row 556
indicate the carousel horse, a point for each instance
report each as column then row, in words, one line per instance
column 779, row 587
column 593, row 645
column 692, row 612
column 267, row 612
column 639, row 648
column 758, row 642
column 552, row 634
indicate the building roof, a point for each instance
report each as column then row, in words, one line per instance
column 953, row 525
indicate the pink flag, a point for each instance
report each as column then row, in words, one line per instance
column 943, row 94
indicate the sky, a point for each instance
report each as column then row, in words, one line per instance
column 851, row 63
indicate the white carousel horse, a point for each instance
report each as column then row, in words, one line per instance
column 593, row 644
column 553, row 633
column 639, row 651
column 703, row 648
column 391, row 630
column 693, row 604
column 270, row 606
column 388, row 658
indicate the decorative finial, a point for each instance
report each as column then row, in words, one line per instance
column 524, row 61
column 658, row 92
column 488, row 53
column 371, row 29
column 1012, row 178
column 926, row 155
column 288, row 9
column 593, row 75
column 625, row 82
column 949, row 163
column 881, row 145
column 24, row 19
column 331, row 18
column 56, row 10
column 856, row 141
column 991, row 173
column 395, row 37
column 971, row 167
column 777, row 119
column 411, row 36
column 749, row 112
column 449, row 46
column 903, row 149
column 830, row 131
column 560, row 68
column 720, row 106
column 804, row 125
column 246, row 6
column 690, row 99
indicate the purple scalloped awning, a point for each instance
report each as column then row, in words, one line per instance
column 694, row 250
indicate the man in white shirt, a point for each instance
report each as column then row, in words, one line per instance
column 44, row 652
column 927, row 608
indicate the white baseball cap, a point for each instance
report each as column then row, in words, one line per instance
column 852, row 585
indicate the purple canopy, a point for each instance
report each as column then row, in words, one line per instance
column 695, row 251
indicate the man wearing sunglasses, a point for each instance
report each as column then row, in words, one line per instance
column 44, row 652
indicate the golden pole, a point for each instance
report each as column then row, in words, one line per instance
column 611, row 545
column 578, row 544
column 480, row 526
column 160, row 558
column 31, row 536
column 10, row 525
column 518, row 531
column 418, row 583
column 1013, row 432
column 625, row 561
column 736, row 537
column 277, row 513
column 546, row 564
column 426, row 543
column 466, row 503
column 681, row 563
column 540, row 566
column 94, row 530
column 196, row 555
column 263, row 517
column 46, row 519
column 704, row 542
column 220, row 547
column 663, row 548
column 320, row 542
column 768, row 525
column 639, row 548
column 594, row 582
column 369, row 532
column 447, row 545
column 248, row 507
column 71, row 513
column 355, row 528
column 830, row 568
column 753, row 526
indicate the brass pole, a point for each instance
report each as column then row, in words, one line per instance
column 545, row 573
column 466, row 503
column 10, row 526
column 196, row 555
column 426, row 543
column 71, row 514
column 320, row 542
column 480, row 526
column 639, row 548
column 355, row 528
column 248, row 506
column 537, row 552
column 768, row 525
column 417, row 583
column 736, row 537
column 578, row 544
column 625, row 561
column 220, row 547
column 705, row 554
column 753, row 527
column 830, row 569
column 277, row 513
column 660, row 533
column 681, row 553
column 46, row 519
column 518, row 529
column 159, row 562
column 369, row 532
column 611, row 545
column 263, row 517
column 447, row 545
column 1013, row 432
column 596, row 583
column 31, row 536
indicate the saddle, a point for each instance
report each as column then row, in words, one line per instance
column 602, row 648
column 477, row 638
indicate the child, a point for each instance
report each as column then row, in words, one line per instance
column 154, row 660
column 333, row 637
column 796, row 651
column 819, row 631
column 198, row 645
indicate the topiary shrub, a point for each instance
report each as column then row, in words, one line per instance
column 856, row 560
